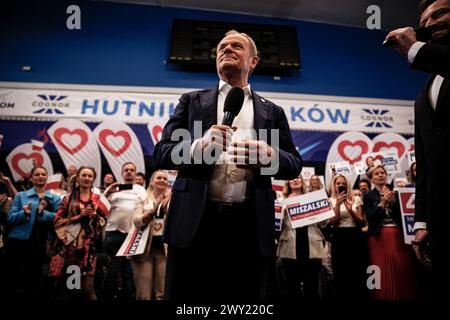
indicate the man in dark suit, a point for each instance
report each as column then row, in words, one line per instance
column 432, row 129
column 220, row 225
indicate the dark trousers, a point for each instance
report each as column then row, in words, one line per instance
column 302, row 278
column 24, row 269
column 349, row 259
column 223, row 263
column 118, row 282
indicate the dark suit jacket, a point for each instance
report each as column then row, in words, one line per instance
column 190, row 190
column 376, row 214
column 432, row 141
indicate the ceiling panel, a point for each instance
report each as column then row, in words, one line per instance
column 394, row 14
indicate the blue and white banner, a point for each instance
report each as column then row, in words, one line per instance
column 305, row 113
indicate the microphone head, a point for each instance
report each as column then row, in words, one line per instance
column 234, row 101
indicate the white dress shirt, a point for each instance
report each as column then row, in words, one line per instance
column 229, row 183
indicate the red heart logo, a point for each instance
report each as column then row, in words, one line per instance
column 20, row 156
column 399, row 146
column 358, row 143
column 157, row 226
column 125, row 135
column 79, row 132
column 156, row 133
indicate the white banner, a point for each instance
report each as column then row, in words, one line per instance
column 305, row 114
column 119, row 144
column 23, row 158
column 309, row 208
column 76, row 145
column 407, row 198
column 135, row 241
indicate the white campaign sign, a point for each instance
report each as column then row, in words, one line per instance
column 309, row 208
column 407, row 198
column 135, row 241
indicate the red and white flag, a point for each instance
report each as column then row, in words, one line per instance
column 278, row 185
column 53, row 181
column 37, row 145
column 104, row 204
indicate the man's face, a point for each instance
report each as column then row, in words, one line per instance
column 72, row 170
column 437, row 17
column 234, row 56
column 129, row 173
column 108, row 179
column 364, row 187
column 139, row 180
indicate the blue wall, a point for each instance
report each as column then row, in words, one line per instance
column 124, row 44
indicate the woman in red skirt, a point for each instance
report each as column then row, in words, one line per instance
column 387, row 248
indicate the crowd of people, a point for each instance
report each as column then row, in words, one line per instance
column 46, row 231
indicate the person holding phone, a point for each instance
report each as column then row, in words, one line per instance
column 127, row 199
column 29, row 220
column 348, row 247
column 387, row 248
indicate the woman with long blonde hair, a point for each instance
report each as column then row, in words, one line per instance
column 149, row 267
column 348, row 245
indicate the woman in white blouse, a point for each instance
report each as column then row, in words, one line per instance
column 348, row 245
column 149, row 268
column 301, row 251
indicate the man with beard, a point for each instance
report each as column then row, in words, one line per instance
column 432, row 112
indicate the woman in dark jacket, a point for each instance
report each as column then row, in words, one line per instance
column 387, row 248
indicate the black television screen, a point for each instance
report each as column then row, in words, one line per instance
column 193, row 44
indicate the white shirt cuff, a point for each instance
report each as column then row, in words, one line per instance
column 193, row 145
column 413, row 50
column 420, row 225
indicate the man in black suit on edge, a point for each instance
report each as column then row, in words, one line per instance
column 432, row 131
column 220, row 224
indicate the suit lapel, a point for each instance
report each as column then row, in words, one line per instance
column 208, row 104
column 261, row 112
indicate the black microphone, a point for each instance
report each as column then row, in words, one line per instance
column 423, row 34
column 233, row 105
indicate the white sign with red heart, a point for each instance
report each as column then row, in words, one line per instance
column 155, row 129
column 351, row 146
column 119, row 144
column 158, row 227
column 23, row 158
column 76, row 145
